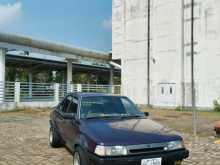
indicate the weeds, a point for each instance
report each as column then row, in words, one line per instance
column 216, row 106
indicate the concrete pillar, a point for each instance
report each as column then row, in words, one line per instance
column 111, row 80
column 17, row 78
column 79, row 87
column 69, row 74
column 30, row 77
column 56, row 93
column 2, row 74
column 64, row 77
column 111, row 77
column 71, row 88
column 17, row 92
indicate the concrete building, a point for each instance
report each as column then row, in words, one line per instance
column 170, row 50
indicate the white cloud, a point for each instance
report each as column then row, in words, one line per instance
column 107, row 24
column 9, row 13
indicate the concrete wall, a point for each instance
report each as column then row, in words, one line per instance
column 12, row 106
column 170, row 62
column 208, row 73
column 166, row 71
column 130, row 44
column 118, row 26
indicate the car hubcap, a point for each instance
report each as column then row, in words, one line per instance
column 51, row 136
column 76, row 160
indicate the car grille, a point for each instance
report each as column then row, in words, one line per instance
column 146, row 148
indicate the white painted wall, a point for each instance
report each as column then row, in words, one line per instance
column 169, row 66
column 118, row 26
column 12, row 106
column 166, row 71
column 133, row 48
column 208, row 72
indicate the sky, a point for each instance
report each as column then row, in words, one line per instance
column 81, row 23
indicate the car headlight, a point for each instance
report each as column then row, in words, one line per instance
column 111, row 150
column 175, row 145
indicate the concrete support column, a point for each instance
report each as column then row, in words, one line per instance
column 64, row 77
column 17, row 92
column 79, row 87
column 56, row 93
column 69, row 74
column 71, row 88
column 17, row 78
column 30, row 78
column 2, row 74
column 111, row 77
column 111, row 80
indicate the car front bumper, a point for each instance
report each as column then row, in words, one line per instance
column 168, row 158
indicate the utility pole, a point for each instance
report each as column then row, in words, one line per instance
column 148, row 54
column 182, row 55
column 192, row 73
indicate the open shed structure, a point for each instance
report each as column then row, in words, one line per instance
column 16, row 42
column 12, row 42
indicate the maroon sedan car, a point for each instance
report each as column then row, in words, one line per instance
column 101, row 129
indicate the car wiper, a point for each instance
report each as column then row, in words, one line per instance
column 101, row 117
column 114, row 116
column 132, row 116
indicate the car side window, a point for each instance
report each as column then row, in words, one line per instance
column 64, row 105
column 73, row 106
column 61, row 105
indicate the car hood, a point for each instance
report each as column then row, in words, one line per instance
column 126, row 132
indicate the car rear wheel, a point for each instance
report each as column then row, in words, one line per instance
column 54, row 138
column 80, row 158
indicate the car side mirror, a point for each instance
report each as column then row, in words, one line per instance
column 146, row 114
column 69, row 116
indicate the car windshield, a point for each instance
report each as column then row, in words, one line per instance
column 108, row 106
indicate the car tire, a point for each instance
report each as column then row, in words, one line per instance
column 80, row 158
column 54, row 138
column 217, row 133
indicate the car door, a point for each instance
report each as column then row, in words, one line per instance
column 62, row 109
column 71, row 125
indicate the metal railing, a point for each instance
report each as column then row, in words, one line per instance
column 9, row 92
column 115, row 89
column 36, row 92
column 48, row 92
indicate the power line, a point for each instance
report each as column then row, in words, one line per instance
column 192, row 73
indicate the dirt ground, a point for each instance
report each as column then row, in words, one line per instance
column 183, row 121
column 24, row 138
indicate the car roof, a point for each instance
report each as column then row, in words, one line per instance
column 90, row 94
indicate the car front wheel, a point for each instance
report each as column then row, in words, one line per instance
column 79, row 157
column 54, row 138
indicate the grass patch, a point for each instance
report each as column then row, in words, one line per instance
column 216, row 106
